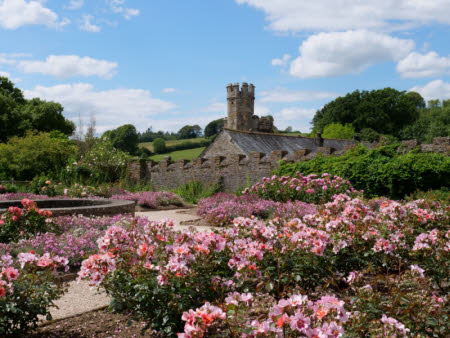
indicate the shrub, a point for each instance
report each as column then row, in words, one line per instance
column 26, row 157
column 193, row 191
column 339, row 131
column 381, row 171
column 18, row 223
column 399, row 248
column 222, row 208
column 159, row 146
column 3, row 189
column 27, row 290
column 309, row 189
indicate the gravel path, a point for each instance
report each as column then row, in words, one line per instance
column 81, row 297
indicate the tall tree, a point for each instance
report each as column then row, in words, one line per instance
column 385, row 111
column 124, row 138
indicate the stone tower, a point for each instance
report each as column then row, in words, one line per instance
column 241, row 107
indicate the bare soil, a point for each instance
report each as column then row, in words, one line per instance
column 93, row 324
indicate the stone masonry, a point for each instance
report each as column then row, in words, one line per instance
column 236, row 171
column 241, row 110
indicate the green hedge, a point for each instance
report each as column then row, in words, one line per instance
column 381, row 171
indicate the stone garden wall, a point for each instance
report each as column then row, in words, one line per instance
column 236, row 171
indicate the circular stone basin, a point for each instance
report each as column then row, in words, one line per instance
column 86, row 207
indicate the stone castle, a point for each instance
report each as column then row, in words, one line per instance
column 247, row 149
column 241, row 110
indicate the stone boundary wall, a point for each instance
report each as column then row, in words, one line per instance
column 236, row 171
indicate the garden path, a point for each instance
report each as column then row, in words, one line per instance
column 81, row 298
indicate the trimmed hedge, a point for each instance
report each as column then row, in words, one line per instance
column 381, row 171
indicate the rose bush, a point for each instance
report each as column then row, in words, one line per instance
column 27, row 290
column 222, row 208
column 310, row 189
column 160, row 274
column 17, row 223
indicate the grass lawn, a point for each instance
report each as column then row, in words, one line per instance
column 187, row 154
column 149, row 145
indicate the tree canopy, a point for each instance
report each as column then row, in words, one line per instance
column 337, row 130
column 124, row 138
column 214, row 127
column 190, row 132
column 18, row 115
column 385, row 111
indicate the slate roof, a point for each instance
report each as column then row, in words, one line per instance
column 266, row 143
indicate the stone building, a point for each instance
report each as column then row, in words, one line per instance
column 241, row 110
column 244, row 132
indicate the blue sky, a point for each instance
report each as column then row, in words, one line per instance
column 166, row 63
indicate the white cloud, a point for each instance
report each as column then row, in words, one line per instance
column 295, row 113
column 75, row 4
column 5, row 74
column 117, row 7
column 87, row 25
column 64, row 66
column 111, row 108
column 281, row 62
column 319, row 15
column 436, row 89
column 423, row 65
column 17, row 13
column 169, row 90
column 350, row 52
column 287, row 95
column 216, row 107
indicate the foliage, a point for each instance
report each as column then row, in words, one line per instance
column 190, row 132
column 339, row 131
column 214, row 127
column 159, row 146
column 124, row 138
column 17, row 223
column 149, row 135
column 386, row 111
column 18, row 115
column 297, row 187
column 400, row 249
column 193, row 191
column 26, row 157
column 432, row 122
column 27, row 290
column 104, row 163
column 381, row 171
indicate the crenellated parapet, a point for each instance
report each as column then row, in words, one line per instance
column 236, row 170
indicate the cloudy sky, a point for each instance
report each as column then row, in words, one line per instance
column 166, row 63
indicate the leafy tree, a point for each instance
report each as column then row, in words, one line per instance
column 124, row 138
column 386, row 111
column 47, row 116
column 190, row 132
column 159, row 146
column 18, row 115
column 337, row 130
column 23, row 158
column 432, row 122
column 214, row 127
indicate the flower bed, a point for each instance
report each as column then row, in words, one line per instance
column 311, row 188
column 222, row 208
column 353, row 268
column 75, row 238
column 151, row 199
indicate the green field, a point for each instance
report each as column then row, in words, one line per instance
column 149, row 145
column 187, row 154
